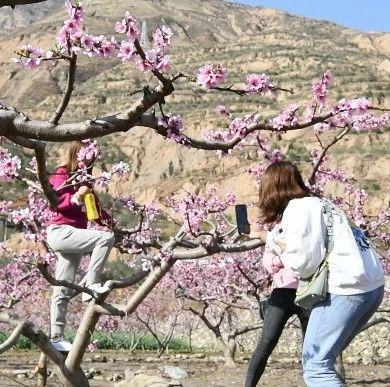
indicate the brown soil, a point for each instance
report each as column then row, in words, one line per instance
column 202, row 372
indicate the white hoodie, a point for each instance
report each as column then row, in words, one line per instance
column 300, row 242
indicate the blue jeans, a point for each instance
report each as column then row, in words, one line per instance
column 332, row 326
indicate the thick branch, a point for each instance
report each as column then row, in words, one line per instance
column 13, row 338
column 13, row 123
column 68, row 90
column 201, row 252
column 13, row 3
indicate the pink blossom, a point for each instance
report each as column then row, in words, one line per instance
column 121, row 27
column 238, row 128
column 257, row 83
column 174, row 125
column 9, row 165
column 286, row 118
column 126, row 50
column 320, row 88
column 322, row 127
column 210, row 77
column 87, row 41
column 368, row 122
column 128, row 25
column 121, row 169
column 89, row 151
column 75, row 12
column 30, row 57
column 155, row 60
column 162, row 37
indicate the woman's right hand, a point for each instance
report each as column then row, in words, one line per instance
column 82, row 191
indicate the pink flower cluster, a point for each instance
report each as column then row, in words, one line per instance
column 194, row 209
column 210, row 77
column 368, row 122
column 129, row 26
column 174, row 125
column 20, row 278
column 30, row 57
column 162, row 38
column 358, row 199
column 155, row 58
column 257, row 83
column 96, row 46
column 9, row 165
column 287, row 118
column 5, row 206
column 320, row 88
column 121, row 169
column 354, row 107
column 238, row 128
column 322, row 127
column 89, row 151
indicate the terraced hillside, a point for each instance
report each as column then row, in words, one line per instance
column 292, row 50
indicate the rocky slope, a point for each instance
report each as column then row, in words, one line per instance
column 292, row 50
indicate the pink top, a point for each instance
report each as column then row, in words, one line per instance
column 67, row 211
column 282, row 277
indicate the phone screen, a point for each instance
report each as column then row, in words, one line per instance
column 243, row 226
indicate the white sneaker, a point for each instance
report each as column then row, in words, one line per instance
column 98, row 288
column 60, row 344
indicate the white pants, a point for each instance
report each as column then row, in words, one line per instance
column 71, row 244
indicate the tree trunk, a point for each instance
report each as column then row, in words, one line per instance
column 41, row 371
column 230, row 352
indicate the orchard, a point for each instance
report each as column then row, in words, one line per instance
column 211, row 273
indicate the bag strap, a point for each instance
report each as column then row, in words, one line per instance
column 328, row 214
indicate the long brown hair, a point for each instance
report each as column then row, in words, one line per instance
column 280, row 183
column 72, row 162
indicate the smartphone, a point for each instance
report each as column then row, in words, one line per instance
column 243, row 226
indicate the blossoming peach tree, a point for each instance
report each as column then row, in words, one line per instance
column 204, row 228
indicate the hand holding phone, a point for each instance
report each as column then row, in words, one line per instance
column 243, row 226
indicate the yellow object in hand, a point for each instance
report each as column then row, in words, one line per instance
column 90, row 205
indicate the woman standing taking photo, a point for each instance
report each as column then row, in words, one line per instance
column 68, row 236
column 280, row 308
column 355, row 274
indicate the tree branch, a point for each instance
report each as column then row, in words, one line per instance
column 43, row 268
column 13, row 3
column 325, row 149
column 68, row 90
column 13, row 338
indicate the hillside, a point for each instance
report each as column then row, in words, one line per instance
column 291, row 49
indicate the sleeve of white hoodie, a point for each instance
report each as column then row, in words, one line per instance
column 302, row 243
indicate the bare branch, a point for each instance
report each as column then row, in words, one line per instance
column 13, row 338
column 246, row 330
column 68, row 90
column 201, row 251
column 43, row 268
column 375, row 322
column 325, row 150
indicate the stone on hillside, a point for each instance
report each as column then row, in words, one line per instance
column 99, row 359
column 175, row 372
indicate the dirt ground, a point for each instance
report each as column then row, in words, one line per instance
column 205, row 372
